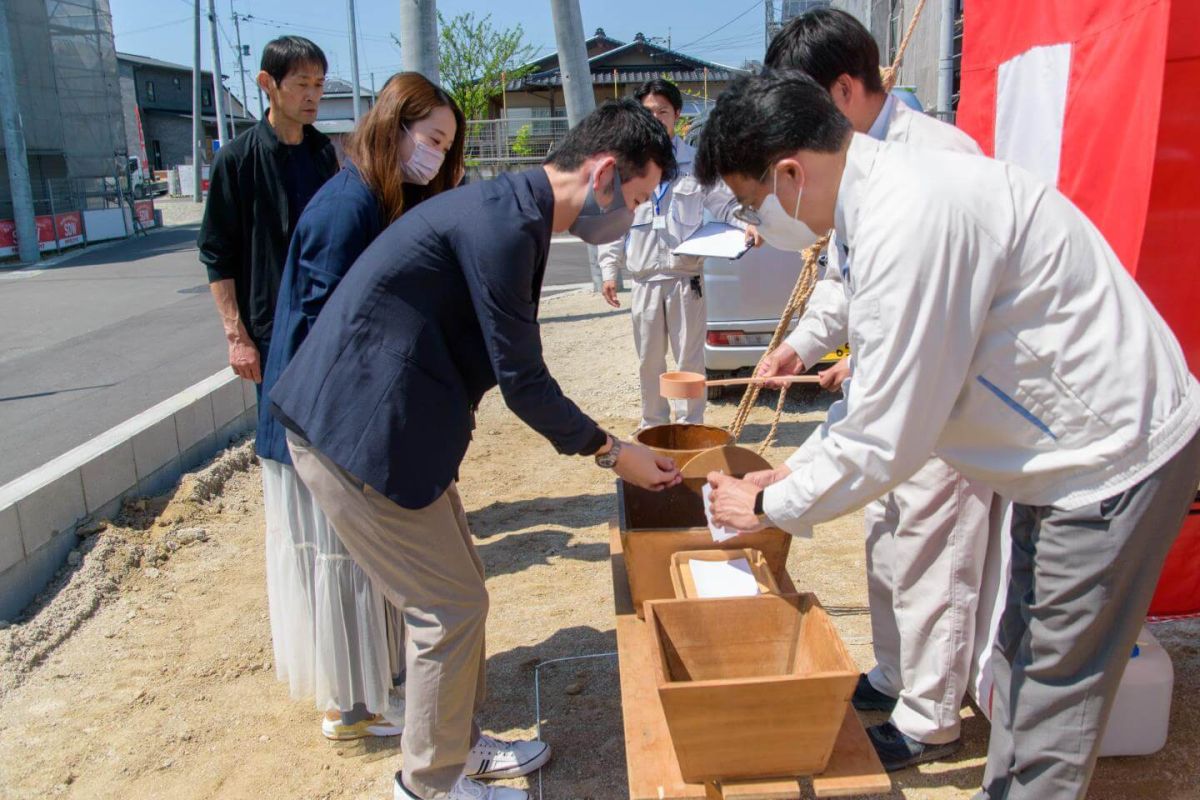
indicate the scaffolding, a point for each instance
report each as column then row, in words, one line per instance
column 84, row 61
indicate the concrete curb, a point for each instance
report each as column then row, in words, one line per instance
column 144, row 455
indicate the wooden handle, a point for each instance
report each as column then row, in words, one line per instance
column 746, row 381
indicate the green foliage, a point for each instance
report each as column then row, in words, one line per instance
column 475, row 58
column 520, row 143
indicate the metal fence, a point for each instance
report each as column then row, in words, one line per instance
column 498, row 142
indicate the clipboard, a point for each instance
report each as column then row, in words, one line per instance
column 715, row 240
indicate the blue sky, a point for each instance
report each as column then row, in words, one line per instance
column 725, row 31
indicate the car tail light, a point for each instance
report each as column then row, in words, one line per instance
column 723, row 338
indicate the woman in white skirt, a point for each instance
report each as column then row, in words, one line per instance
column 334, row 636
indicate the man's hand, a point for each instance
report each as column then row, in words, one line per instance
column 733, row 503
column 766, row 477
column 832, row 379
column 781, row 361
column 645, row 468
column 753, row 238
column 243, row 357
column 610, row 294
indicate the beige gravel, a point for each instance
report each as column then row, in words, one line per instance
column 164, row 687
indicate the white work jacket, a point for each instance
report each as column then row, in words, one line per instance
column 822, row 327
column 995, row 329
column 645, row 253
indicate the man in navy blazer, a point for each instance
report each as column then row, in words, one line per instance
column 379, row 405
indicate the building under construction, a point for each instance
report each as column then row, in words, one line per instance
column 69, row 95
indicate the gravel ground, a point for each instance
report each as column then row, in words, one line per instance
column 146, row 672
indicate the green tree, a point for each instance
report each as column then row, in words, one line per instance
column 475, row 58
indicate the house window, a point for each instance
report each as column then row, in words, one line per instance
column 150, row 91
column 176, row 82
column 205, row 96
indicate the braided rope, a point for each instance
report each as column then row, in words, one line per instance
column 807, row 281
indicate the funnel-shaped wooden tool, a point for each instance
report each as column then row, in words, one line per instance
column 690, row 385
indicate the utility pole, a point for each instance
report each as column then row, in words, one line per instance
column 197, row 124
column 242, row 67
column 218, row 98
column 577, row 87
column 14, row 149
column 418, row 37
column 353, row 58
column 573, row 60
column 945, row 95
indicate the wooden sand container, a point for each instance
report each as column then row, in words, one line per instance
column 751, row 687
column 656, row 525
column 683, row 442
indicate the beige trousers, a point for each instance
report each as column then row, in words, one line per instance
column 425, row 563
column 926, row 545
column 668, row 313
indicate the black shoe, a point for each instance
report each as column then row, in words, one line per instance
column 868, row 698
column 898, row 751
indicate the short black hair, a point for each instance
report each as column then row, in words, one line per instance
column 662, row 88
column 625, row 129
column 287, row 53
column 827, row 43
column 762, row 118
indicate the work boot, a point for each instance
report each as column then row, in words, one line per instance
column 868, row 698
column 897, row 750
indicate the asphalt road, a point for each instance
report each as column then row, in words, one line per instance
column 103, row 336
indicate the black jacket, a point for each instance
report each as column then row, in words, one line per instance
column 440, row 308
column 245, row 232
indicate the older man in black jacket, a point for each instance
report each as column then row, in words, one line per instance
column 260, row 183
column 379, row 404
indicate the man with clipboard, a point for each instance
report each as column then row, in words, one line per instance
column 668, row 290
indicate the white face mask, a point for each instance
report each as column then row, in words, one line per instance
column 424, row 163
column 781, row 229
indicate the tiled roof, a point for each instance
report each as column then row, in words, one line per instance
column 604, row 77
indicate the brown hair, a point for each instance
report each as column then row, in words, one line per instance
column 374, row 147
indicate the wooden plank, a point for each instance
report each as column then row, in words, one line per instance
column 854, row 767
column 652, row 767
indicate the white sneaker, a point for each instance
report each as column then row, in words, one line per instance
column 495, row 758
column 394, row 713
column 375, row 725
column 465, row 789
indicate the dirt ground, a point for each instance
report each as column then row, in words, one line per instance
column 147, row 672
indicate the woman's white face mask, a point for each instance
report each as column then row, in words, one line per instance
column 780, row 229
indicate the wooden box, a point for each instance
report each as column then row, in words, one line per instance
column 656, row 525
column 751, row 687
column 685, row 584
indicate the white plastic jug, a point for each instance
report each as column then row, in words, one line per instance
column 1142, row 709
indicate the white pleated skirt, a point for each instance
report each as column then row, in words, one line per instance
column 335, row 638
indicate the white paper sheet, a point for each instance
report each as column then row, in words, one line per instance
column 714, row 240
column 719, row 532
column 723, row 578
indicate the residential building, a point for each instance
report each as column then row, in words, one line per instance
column 617, row 68
column 335, row 115
column 157, row 102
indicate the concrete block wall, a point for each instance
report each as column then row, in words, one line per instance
column 142, row 456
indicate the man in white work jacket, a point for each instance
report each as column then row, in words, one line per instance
column 999, row 331
column 926, row 540
column 668, row 290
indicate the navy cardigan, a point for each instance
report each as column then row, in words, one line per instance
column 339, row 222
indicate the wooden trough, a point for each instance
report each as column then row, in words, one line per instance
column 656, row 525
column 751, row 687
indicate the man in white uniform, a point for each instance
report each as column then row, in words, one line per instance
column 668, row 290
column 926, row 540
column 999, row 331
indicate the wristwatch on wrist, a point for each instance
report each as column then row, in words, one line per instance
column 609, row 459
column 758, row 504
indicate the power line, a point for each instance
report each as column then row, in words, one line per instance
column 721, row 28
column 153, row 27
